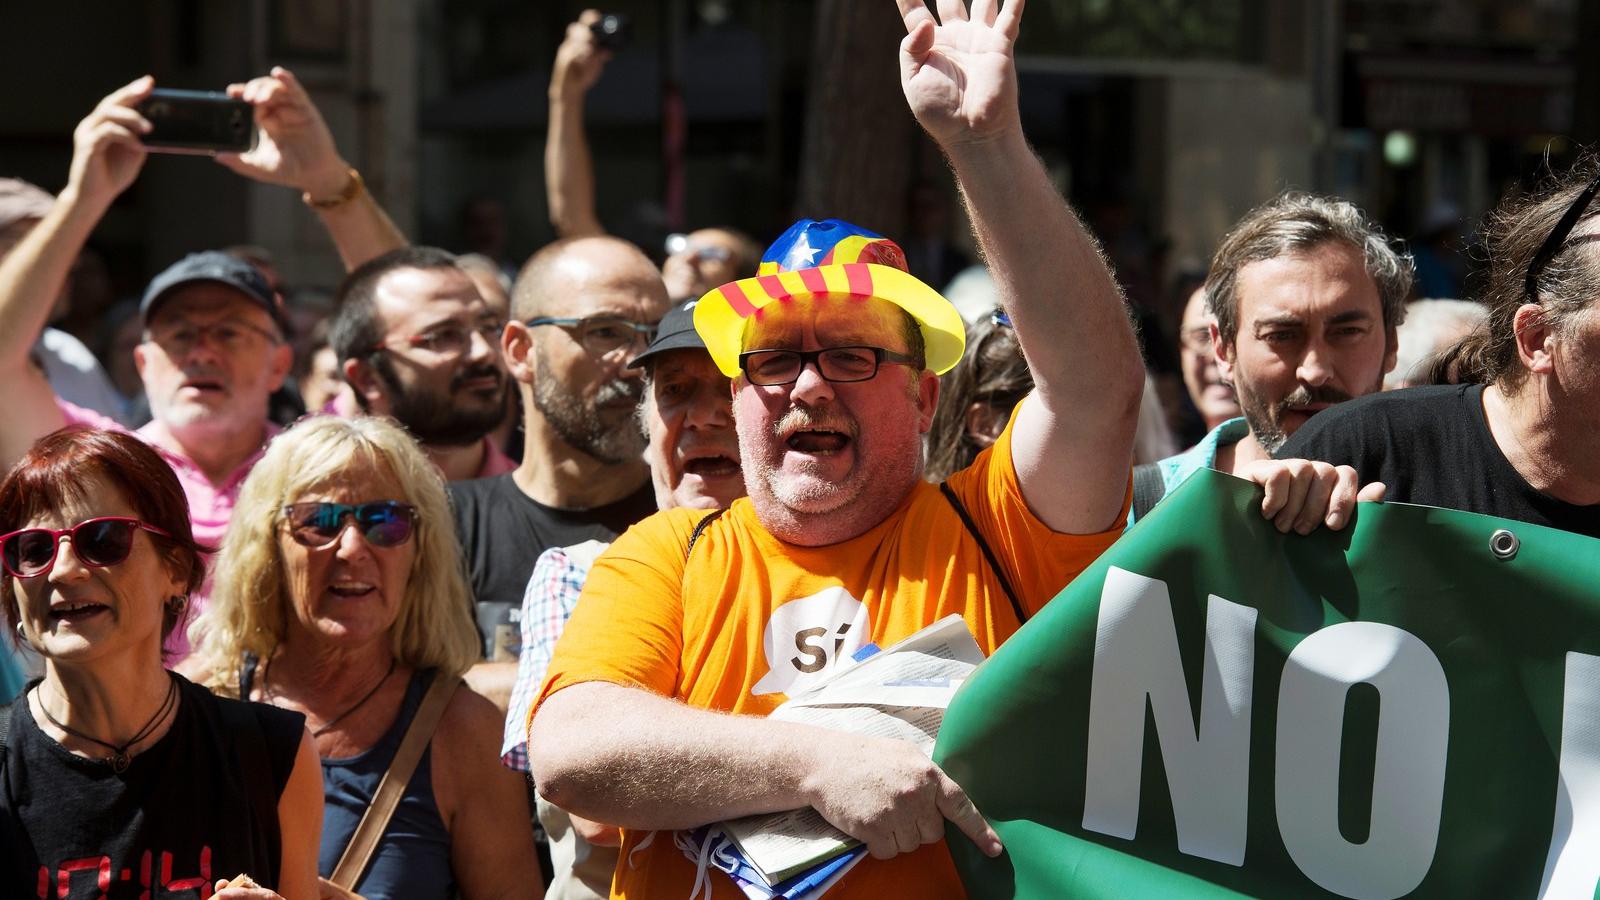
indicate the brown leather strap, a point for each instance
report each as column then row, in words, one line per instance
column 376, row 819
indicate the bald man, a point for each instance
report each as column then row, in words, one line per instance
column 582, row 309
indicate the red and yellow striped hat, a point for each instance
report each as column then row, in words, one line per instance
column 832, row 259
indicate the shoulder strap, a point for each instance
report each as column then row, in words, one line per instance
column 700, row 527
column 353, row 863
column 994, row 562
column 1148, row 489
column 5, row 725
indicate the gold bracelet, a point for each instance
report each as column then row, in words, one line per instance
column 352, row 190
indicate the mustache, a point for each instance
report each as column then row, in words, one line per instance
column 619, row 390
column 474, row 372
column 807, row 419
column 1305, row 396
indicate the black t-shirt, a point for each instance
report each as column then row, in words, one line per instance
column 502, row 533
column 199, row 805
column 1432, row 445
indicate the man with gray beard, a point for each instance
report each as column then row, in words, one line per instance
column 581, row 309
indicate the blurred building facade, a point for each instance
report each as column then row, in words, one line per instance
column 1163, row 119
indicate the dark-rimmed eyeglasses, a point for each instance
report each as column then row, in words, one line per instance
column 384, row 523
column 841, row 365
column 98, row 542
column 449, row 339
column 1558, row 238
column 601, row 334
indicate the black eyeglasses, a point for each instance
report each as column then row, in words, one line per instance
column 602, row 334
column 384, row 523
column 837, row 364
column 99, row 542
column 1557, row 239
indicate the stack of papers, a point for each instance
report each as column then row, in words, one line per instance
column 900, row 692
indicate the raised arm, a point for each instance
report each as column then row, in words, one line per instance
column 107, row 154
column 1073, row 439
column 631, row 758
column 568, row 167
column 296, row 149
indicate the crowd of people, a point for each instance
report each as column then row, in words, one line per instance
column 525, row 563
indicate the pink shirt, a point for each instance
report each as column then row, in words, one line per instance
column 210, row 504
column 495, row 461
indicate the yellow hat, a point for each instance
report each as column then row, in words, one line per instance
column 853, row 262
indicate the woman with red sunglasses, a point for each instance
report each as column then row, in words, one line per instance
column 339, row 594
column 114, row 771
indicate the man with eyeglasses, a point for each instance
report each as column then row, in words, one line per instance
column 418, row 343
column 1512, row 428
column 581, row 309
column 1304, row 296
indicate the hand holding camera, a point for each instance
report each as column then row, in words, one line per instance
column 585, row 50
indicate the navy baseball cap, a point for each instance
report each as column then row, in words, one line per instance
column 676, row 332
column 219, row 268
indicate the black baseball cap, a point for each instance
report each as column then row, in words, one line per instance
column 676, row 332
column 213, row 266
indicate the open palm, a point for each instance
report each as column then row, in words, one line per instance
column 958, row 74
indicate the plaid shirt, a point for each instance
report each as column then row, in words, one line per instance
column 547, row 603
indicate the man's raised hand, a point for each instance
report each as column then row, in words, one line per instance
column 295, row 147
column 958, row 73
column 890, row 796
column 108, row 145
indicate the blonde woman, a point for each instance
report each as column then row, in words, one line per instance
column 339, row 595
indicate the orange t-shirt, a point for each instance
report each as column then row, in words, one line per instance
column 768, row 617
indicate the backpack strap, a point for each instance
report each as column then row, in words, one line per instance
column 699, row 528
column 994, row 562
column 1148, row 489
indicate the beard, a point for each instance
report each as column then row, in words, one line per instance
column 1266, row 417
column 580, row 424
column 438, row 420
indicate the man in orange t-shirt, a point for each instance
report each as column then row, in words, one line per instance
column 691, row 629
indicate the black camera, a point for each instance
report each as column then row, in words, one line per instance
column 612, row 32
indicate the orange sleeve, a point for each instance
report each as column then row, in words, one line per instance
column 627, row 627
column 1039, row 562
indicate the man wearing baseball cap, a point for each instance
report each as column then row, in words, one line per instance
column 834, row 352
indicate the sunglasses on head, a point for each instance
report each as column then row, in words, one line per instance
column 384, row 523
column 99, row 542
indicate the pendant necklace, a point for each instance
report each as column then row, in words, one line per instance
column 119, row 758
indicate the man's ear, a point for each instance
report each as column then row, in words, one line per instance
column 368, row 387
column 279, row 364
column 1224, row 354
column 927, row 399
column 1391, row 355
column 516, row 345
column 138, row 358
column 1535, row 339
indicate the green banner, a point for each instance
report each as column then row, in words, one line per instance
column 1409, row 707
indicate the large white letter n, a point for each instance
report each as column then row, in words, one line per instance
column 1208, row 767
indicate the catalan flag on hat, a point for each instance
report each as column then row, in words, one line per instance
column 833, row 259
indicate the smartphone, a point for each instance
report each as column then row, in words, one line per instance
column 612, row 32
column 197, row 122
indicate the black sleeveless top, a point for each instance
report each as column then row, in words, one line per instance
column 199, row 805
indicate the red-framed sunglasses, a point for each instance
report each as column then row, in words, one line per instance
column 98, row 542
